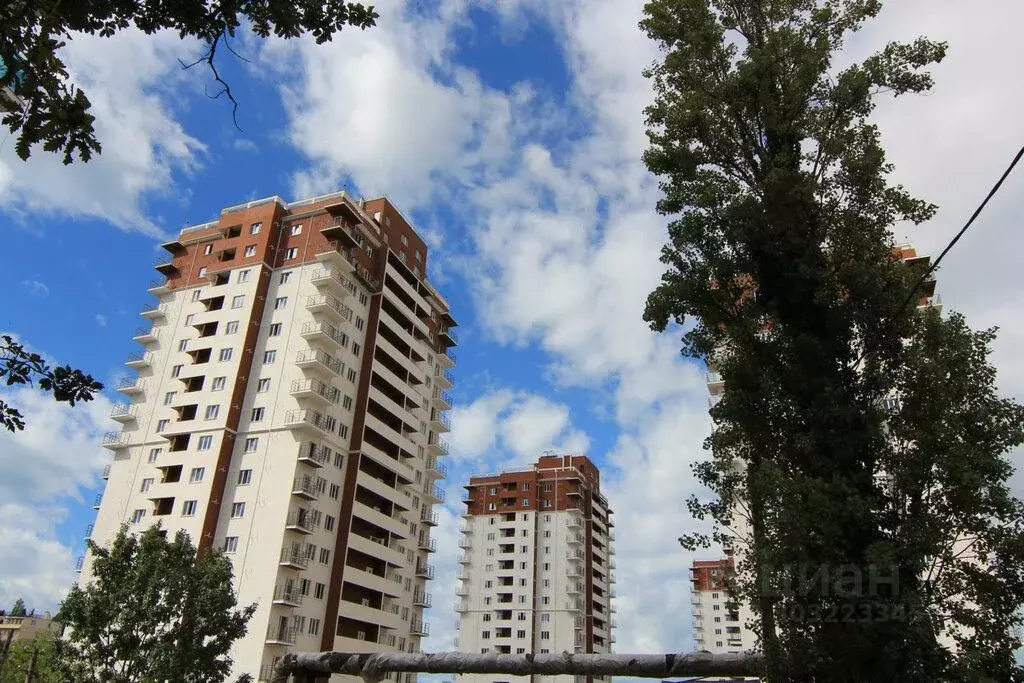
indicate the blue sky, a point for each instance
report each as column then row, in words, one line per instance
column 511, row 134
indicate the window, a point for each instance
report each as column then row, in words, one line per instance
column 545, row 617
column 207, row 250
column 526, row 486
column 188, row 508
column 269, row 356
column 360, row 323
column 494, row 491
column 146, row 483
column 491, row 536
column 522, row 616
column 218, row 383
column 314, row 627
column 275, row 330
column 318, row 591
column 339, row 458
column 346, row 403
column 183, row 345
column 176, row 370
column 202, row 271
column 547, row 566
column 244, row 477
column 205, row 442
column 154, row 454
column 545, row 635
column 547, row 533
column 290, row 253
column 419, row 256
column 231, row 327
column 280, row 302
column 196, row 475
column 285, row 277
column 488, row 584
column 524, row 548
column 257, row 414
column 355, row 348
column 545, row 503
column 547, row 487
column 263, row 385
column 251, row 444
column 363, row 299
column 225, row 354
column 237, row 510
column 329, row 523
column 238, row 301
column 250, row 250
column 714, row 596
column 212, row 412
column 244, row 275
column 137, row 516
column 547, row 550
column 485, row 635
column 405, row 240
column 325, row 555
column 520, row 633
column 335, row 491
column 162, row 425
column 297, row 229
column 168, row 398
column 231, row 544
column 522, row 598
column 492, row 506
column 196, row 294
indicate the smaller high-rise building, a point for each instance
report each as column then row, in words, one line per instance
column 537, row 563
column 720, row 621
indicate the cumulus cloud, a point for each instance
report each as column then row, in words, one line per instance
column 56, row 457
column 144, row 147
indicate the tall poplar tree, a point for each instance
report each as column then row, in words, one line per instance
column 860, row 436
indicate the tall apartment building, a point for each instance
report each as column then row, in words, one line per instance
column 289, row 408
column 537, row 564
column 720, row 622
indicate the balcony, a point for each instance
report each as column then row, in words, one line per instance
column 106, row 473
column 306, row 419
column 97, row 501
column 116, row 441
column 465, row 558
column 465, row 543
column 313, row 455
column 319, row 361
column 449, row 333
column 329, row 307
column 287, row 595
column 421, row 599
column 573, row 587
column 338, row 255
column 315, row 390
column 300, row 522
column 165, row 264
column 713, row 400
column 437, row 445
column 434, row 493
column 139, row 360
column 445, row 378
column 328, row 277
column 574, row 522
column 280, row 636
column 159, row 286
column 341, row 231
column 79, row 563
column 715, row 382
column 88, row 531
column 146, row 334
column 294, row 557
column 436, row 468
column 425, row 542
column 305, row 487
column 124, row 412
column 424, row 570
column 440, row 422
column 427, row 517
column 447, row 358
column 324, row 333
column 418, row 627
column 575, row 539
column 442, row 399
column 154, row 310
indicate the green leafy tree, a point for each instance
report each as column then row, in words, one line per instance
column 18, row 610
column 154, row 611
column 781, row 256
column 19, row 366
column 19, row 661
column 56, row 112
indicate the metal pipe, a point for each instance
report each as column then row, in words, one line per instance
column 306, row 666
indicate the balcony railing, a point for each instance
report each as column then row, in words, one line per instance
column 287, row 595
column 443, row 396
column 328, row 304
column 299, row 520
column 312, row 454
column 115, row 440
column 439, row 444
column 425, row 570
column 427, row 543
column 305, row 487
column 320, row 359
column 106, row 473
column 419, row 628
column 123, row 412
column 713, row 377
column 323, row 330
column 434, row 491
column 146, row 334
column 139, row 358
column 310, row 417
column 421, row 598
column 314, row 387
column 130, row 384
column 428, row 517
column 450, row 333
column 294, row 556
column 88, row 531
column 161, row 283
column 97, row 500
column 437, row 467
column 280, row 636
column 79, row 563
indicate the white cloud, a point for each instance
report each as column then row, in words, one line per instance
column 126, row 78
column 36, row 288
column 55, row 457
column 101, row 320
